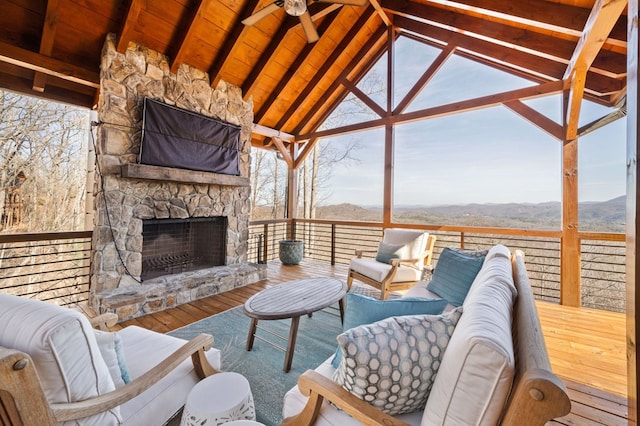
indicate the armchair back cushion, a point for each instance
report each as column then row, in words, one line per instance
column 64, row 350
column 414, row 242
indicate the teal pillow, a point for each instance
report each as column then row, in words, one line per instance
column 386, row 252
column 361, row 310
column 454, row 274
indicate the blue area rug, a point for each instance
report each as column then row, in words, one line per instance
column 262, row 366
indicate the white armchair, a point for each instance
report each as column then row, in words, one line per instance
column 399, row 261
column 57, row 369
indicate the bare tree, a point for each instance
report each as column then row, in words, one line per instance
column 47, row 143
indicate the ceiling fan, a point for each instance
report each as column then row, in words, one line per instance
column 298, row 8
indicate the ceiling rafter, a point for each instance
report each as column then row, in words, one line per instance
column 46, row 41
column 373, row 105
column 289, row 23
column 128, row 24
column 543, row 45
column 340, row 48
column 536, row 118
column 539, row 15
column 543, row 89
column 230, row 42
column 381, row 12
column 292, row 69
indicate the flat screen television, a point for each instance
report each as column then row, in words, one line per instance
column 175, row 137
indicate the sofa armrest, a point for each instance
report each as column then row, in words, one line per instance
column 318, row 387
column 104, row 321
column 194, row 348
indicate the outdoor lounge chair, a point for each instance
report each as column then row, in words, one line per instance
column 55, row 368
column 399, row 261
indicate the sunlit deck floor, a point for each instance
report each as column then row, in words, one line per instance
column 587, row 347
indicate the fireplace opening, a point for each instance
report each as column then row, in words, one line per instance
column 173, row 246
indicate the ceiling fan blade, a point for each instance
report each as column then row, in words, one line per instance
column 308, row 27
column 253, row 19
column 347, row 2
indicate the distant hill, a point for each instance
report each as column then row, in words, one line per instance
column 604, row 216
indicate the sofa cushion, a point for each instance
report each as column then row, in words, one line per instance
column 391, row 364
column 361, row 309
column 110, row 345
column 378, row 271
column 64, row 350
column 454, row 273
column 475, row 377
column 144, row 349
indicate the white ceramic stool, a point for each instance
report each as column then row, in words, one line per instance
column 219, row 399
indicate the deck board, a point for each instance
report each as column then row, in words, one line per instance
column 586, row 346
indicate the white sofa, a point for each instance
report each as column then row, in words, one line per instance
column 473, row 385
column 72, row 366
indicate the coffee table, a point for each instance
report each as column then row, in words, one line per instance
column 292, row 299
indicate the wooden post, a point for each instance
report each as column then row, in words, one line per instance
column 632, row 249
column 387, row 205
column 570, row 254
column 292, row 193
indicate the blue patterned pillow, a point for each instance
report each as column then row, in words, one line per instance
column 361, row 309
column 454, row 274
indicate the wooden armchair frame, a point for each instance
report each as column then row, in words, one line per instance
column 23, row 402
column 537, row 395
column 387, row 285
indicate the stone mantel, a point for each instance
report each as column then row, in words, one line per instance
column 144, row 171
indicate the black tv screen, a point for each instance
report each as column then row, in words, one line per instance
column 175, row 137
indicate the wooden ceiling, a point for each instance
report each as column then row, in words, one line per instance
column 52, row 48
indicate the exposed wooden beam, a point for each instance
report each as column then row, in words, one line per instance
column 259, row 129
column 438, row 111
column 602, row 121
column 304, row 152
column 373, row 105
column 537, row 119
column 425, row 78
column 525, row 40
column 189, row 35
column 575, row 86
column 285, row 79
column 329, row 61
column 230, row 42
column 47, row 65
column 46, row 41
column 604, row 15
column 128, row 25
column 282, row 149
column 381, row 12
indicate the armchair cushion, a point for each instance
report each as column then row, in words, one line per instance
column 378, row 271
column 391, row 364
column 414, row 241
column 454, row 273
column 64, row 350
column 361, row 309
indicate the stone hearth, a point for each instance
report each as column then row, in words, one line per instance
column 126, row 193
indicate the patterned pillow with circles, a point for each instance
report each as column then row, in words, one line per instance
column 391, row 364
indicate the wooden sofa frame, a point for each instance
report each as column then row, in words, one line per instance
column 387, row 285
column 23, row 402
column 537, row 394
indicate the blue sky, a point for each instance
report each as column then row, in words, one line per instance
column 485, row 156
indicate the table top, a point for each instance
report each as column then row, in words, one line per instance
column 295, row 298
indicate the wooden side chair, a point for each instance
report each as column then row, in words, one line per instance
column 55, row 368
column 401, row 258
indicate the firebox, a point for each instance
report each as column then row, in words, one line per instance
column 173, row 246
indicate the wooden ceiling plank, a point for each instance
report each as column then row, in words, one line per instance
column 189, row 35
column 46, row 41
column 292, row 70
column 322, row 70
column 536, row 118
column 128, row 25
column 335, row 86
column 373, row 105
column 543, row 89
column 230, row 42
column 425, row 78
column 48, row 65
column 604, row 15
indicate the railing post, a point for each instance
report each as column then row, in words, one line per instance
column 265, row 246
column 461, row 240
column 333, row 244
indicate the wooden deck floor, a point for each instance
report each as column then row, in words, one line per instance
column 586, row 346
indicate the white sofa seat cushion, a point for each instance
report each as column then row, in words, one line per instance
column 143, row 350
column 378, row 271
column 294, row 401
column 64, row 350
column 476, row 374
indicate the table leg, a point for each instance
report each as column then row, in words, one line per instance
column 252, row 333
column 291, row 346
column 341, row 304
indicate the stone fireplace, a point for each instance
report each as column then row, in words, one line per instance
column 164, row 236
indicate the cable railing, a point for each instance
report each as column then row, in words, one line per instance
column 52, row 267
